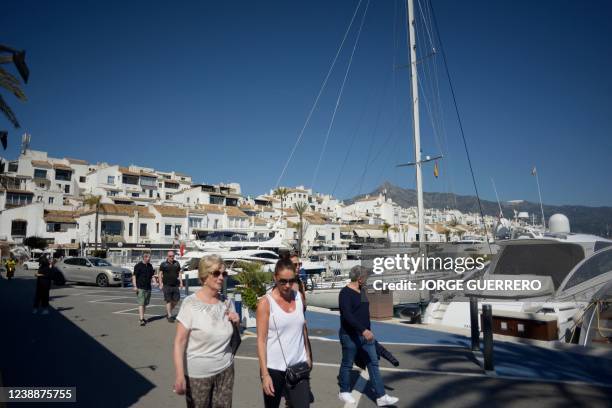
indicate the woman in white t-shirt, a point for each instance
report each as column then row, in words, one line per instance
column 203, row 357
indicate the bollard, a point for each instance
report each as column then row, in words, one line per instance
column 474, row 324
column 487, row 328
column 238, row 306
column 186, row 282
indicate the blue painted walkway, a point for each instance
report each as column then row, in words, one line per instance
column 511, row 359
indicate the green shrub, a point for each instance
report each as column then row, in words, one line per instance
column 253, row 282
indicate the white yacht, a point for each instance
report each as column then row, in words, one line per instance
column 224, row 241
column 559, row 260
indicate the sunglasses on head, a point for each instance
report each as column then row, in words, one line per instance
column 216, row 274
column 283, row 282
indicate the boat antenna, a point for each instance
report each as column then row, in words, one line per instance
column 501, row 212
column 534, row 172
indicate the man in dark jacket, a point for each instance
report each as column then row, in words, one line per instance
column 141, row 280
column 356, row 335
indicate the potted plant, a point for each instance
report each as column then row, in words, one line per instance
column 253, row 283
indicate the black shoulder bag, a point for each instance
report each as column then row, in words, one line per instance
column 296, row 373
column 236, row 339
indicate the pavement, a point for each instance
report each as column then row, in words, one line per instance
column 91, row 340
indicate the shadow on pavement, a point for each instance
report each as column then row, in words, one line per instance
column 39, row 350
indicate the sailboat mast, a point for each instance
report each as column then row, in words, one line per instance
column 415, row 117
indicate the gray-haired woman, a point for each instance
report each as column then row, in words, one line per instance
column 203, row 358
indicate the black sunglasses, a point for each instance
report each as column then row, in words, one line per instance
column 216, row 274
column 283, row 282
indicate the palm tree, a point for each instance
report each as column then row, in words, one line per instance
column 300, row 208
column 12, row 84
column 385, row 228
column 281, row 193
column 94, row 201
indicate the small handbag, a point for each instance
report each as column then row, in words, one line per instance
column 296, row 373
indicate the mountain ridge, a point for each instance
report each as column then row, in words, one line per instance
column 584, row 219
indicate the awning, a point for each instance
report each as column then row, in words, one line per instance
column 361, row 233
column 376, row 234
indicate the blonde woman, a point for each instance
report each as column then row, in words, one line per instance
column 203, row 357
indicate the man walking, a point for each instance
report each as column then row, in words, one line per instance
column 171, row 281
column 355, row 335
column 141, row 281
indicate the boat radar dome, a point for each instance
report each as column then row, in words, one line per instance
column 559, row 224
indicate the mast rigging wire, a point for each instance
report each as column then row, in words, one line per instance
column 452, row 89
column 339, row 98
column 316, row 102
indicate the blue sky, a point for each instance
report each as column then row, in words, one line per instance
column 220, row 90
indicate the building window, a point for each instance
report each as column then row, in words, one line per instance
column 51, row 200
column 82, row 179
column 126, row 179
column 216, row 224
column 187, row 200
column 63, row 175
column 168, row 196
column 39, row 199
column 19, row 228
column 112, row 193
column 171, row 185
column 111, row 227
column 40, row 173
column 18, row 199
column 136, row 195
column 110, row 180
column 167, row 230
column 148, row 181
column 13, row 167
column 41, row 185
column 195, row 222
column 130, row 229
column 177, row 230
column 67, row 189
column 333, row 234
column 150, row 193
column 157, row 228
column 143, row 230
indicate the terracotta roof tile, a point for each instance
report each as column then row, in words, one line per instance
column 170, row 211
column 121, row 209
column 67, row 217
column 42, row 164
column 61, row 166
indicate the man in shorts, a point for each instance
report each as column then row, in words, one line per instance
column 141, row 281
column 171, row 281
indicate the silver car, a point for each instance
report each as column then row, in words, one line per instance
column 93, row 270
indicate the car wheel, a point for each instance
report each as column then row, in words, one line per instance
column 102, row 280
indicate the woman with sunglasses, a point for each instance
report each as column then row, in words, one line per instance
column 282, row 339
column 203, row 358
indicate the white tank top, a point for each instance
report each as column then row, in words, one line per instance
column 291, row 331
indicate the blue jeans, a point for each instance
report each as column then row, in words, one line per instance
column 350, row 346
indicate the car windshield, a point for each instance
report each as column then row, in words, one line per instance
column 99, row 262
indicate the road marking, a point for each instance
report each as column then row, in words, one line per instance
column 459, row 374
column 397, row 344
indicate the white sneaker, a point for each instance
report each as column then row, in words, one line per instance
column 45, row 311
column 346, row 397
column 386, row 400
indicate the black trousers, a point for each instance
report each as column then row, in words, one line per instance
column 298, row 395
column 41, row 297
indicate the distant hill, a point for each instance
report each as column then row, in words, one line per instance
column 591, row 220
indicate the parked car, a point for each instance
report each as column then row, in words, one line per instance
column 31, row 263
column 93, row 270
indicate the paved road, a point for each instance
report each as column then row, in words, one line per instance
column 92, row 340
